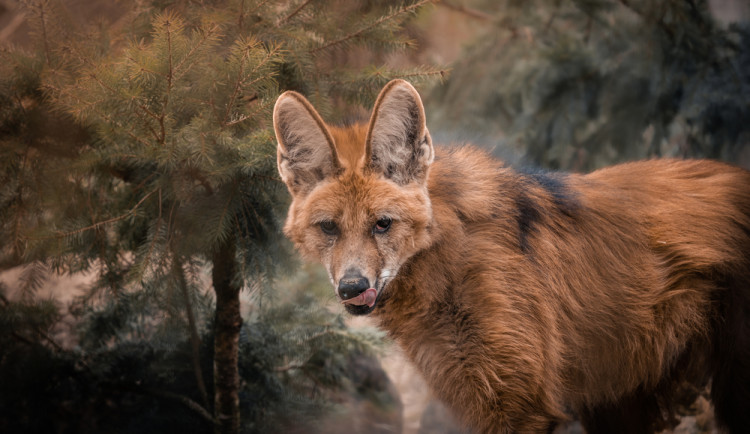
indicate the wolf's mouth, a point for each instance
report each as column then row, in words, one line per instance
column 367, row 297
column 365, row 302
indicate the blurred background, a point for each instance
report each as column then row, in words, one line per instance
column 140, row 209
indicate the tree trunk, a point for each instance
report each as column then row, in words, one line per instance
column 226, row 341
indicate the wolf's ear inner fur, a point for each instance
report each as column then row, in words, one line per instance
column 306, row 153
column 398, row 143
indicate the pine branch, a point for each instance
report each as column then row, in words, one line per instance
column 421, row 74
column 249, row 205
column 207, row 36
column 129, row 132
column 294, row 12
column 243, row 118
column 93, row 107
column 51, row 341
column 170, row 72
column 140, row 270
column 44, row 335
column 373, row 25
column 144, row 69
column 19, row 217
column 33, row 277
column 221, row 234
column 96, row 225
column 146, row 122
column 239, row 84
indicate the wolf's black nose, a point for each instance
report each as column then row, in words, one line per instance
column 351, row 285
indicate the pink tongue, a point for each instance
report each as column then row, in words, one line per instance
column 368, row 297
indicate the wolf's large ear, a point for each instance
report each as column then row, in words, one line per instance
column 398, row 143
column 306, row 154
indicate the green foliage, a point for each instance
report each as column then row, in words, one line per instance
column 126, row 375
column 169, row 151
column 582, row 84
column 295, row 356
column 137, row 153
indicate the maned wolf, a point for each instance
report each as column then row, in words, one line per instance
column 524, row 297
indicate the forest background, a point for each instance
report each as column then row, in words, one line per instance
column 144, row 283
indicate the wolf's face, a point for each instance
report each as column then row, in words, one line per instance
column 360, row 204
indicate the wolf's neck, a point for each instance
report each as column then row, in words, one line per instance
column 427, row 280
column 424, row 282
column 464, row 186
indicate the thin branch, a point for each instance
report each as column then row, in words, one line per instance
column 19, row 216
column 243, row 117
column 440, row 72
column 206, row 36
column 198, row 176
column 51, row 341
column 170, row 75
column 41, row 333
column 21, row 338
column 239, row 84
column 129, row 132
column 660, row 22
column 152, row 244
column 102, row 114
column 470, row 12
column 182, row 399
column 225, row 211
column 146, row 110
column 144, row 69
column 44, row 34
column 289, row 367
column 294, row 12
column 242, row 13
column 371, row 26
column 241, row 16
column 145, row 120
column 96, row 225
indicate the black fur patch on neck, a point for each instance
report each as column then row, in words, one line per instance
column 531, row 207
column 554, row 183
column 528, row 214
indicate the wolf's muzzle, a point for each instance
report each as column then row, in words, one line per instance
column 352, row 284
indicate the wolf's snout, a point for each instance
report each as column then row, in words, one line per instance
column 351, row 285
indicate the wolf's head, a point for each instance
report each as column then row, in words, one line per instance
column 360, row 204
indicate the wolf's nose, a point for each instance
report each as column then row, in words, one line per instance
column 352, row 285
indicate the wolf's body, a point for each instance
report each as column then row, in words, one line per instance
column 524, row 296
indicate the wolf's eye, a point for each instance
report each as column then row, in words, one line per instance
column 382, row 225
column 328, row 227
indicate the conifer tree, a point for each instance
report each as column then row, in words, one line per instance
column 144, row 152
column 579, row 84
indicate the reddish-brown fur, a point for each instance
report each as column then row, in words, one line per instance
column 522, row 297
